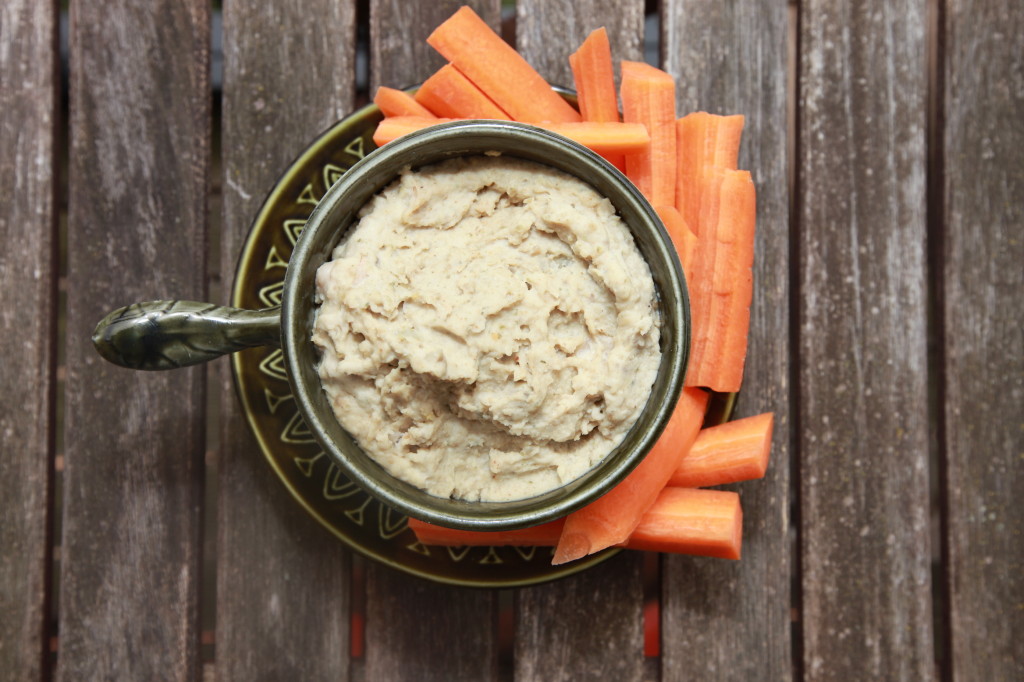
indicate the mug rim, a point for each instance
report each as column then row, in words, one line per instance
column 337, row 211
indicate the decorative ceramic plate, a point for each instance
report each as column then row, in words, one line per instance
column 359, row 520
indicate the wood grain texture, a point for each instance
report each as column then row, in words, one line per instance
column 548, row 31
column 399, row 647
column 730, row 57
column 863, row 436
column 424, row 632
column 588, row 626
column 139, row 160
column 28, row 220
column 399, row 54
column 982, row 285
column 282, row 580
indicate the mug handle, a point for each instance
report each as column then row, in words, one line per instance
column 158, row 335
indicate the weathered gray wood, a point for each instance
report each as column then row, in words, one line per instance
column 399, row 54
column 423, row 631
column 28, row 140
column 862, row 344
column 730, row 57
column 282, row 580
column 982, row 283
column 139, row 160
column 547, row 32
column 588, row 626
column 399, row 647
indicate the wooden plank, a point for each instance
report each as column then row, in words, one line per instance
column 422, row 631
column 730, row 57
column 590, row 625
column 862, row 354
column 139, row 160
column 981, row 284
column 399, row 54
column 548, row 32
column 399, row 647
column 282, row 580
column 28, row 221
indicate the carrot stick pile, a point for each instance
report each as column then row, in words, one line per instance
column 687, row 168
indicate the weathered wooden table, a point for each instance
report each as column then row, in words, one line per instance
column 144, row 537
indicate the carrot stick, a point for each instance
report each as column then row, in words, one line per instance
column 544, row 535
column 394, row 102
column 705, row 141
column 680, row 521
column 727, row 453
column 449, row 93
column 604, row 138
column 738, row 190
column 720, row 309
column 465, row 40
column 682, row 236
column 390, row 129
column 691, row 521
column 700, row 282
column 600, row 137
column 692, row 133
column 611, row 519
column 649, row 97
column 594, row 76
column 727, row 141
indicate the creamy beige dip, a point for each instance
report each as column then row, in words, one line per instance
column 488, row 329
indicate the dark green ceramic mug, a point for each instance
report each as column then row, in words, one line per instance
column 170, row 334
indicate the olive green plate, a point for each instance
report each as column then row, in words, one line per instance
column 360, row 521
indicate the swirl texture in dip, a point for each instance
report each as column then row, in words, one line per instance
column 488, row 329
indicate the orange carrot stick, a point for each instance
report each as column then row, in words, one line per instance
column 600, row 137
column 692, row 133
column 594, row 76
column 682, row 236
column 737, row 232
column 544, row 535
column 604, row 138
column 691, row 521
column 727, row 141
column 705, row 141
column 394, row 102
column 611, row 519
column 700, row 282
column 450, row 94
column 727, row 453
column 722, row 263
column 649, row 97
column 681, row 521
column 465, row 40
